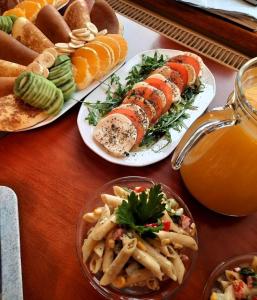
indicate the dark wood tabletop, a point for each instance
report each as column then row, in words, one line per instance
column 213, row 26
column 54, row 173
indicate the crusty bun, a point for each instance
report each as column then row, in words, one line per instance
column 29, row 35
column 14, row 51
column 6, row 85
column 77, row 14
column 9, row 69
column 104, row 17
column 16, row 115
column 52, row 24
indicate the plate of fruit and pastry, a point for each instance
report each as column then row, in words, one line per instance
column 138, row 116
column 53, row 60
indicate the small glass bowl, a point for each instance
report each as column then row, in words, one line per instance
column 229, row 264
column 167, row 287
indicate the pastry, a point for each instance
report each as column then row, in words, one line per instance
column 10, row 69
column 16, row 115
column 52, row 24
column 77, row 14
column 15, row 51
column 104, row 17
column 6, row 85
column 29, row 35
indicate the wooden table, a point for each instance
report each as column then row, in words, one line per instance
column 54, row 173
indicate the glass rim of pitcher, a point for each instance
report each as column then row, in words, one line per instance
column 244, row 103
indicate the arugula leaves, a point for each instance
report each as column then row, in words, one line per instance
column 142, row 209
column 116, row 91
column 174, row 118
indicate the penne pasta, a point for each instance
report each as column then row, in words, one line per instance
column 165, row 265
column 132, row 267
column 140, row 275
column 110, row 200
column 177, row 238
column 178, row 265
column 117, row 248
column 229, row 293
column 88, row 247
column 153, row 284
column 105, row 225
column 129, row 246
column 91, row 217
column 121, row 192
column 231, row 275
column 174, row 227
column 99, row 248
column 95, row 263
column 107, row 258
column 148, row 262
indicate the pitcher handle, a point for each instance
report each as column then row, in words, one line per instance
column 215, row 119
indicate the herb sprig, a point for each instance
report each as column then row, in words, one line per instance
column 116, row 91
column 142, row 209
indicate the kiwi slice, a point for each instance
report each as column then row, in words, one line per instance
column 66, row 63
column 51, row 96
column 58, row 103
column 68, row 89
column 62, row 80
column 22, row 83
column 58, row 72
column 61, row 59
column 31, row 94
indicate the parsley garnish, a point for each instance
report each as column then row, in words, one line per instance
column 142, row 209
column 247, row 271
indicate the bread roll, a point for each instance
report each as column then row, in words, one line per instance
column 6, row 85
column 14, row 51
column 104, row 17
column 77, row 14
column 52, row 24
column 9, row 69
column 29, row 35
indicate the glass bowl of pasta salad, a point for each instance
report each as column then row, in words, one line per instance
column 233, row 279
column 136, row 239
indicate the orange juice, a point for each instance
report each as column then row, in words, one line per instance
column 217, row 157
column 221, row 169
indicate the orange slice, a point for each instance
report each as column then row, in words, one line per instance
column 92, row 59
column 18, row 12
column 81, row 72
column 113, row 44
column 104, row 56
column 42, row 3
column 123, row 45
column 31, row 9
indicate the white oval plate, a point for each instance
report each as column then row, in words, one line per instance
column 151, row 155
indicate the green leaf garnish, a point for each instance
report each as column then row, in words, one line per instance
column 142, row 209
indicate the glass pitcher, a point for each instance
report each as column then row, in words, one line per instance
column 217, row 157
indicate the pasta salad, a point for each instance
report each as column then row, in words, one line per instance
column 138, row 239
column 237, row 283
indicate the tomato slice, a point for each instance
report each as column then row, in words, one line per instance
column 130, row 114
column 181, row 70
column 186, row 59
column 144, row 104
column 165, row 87
column 153, row 96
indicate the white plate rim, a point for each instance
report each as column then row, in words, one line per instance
column 122, row 161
